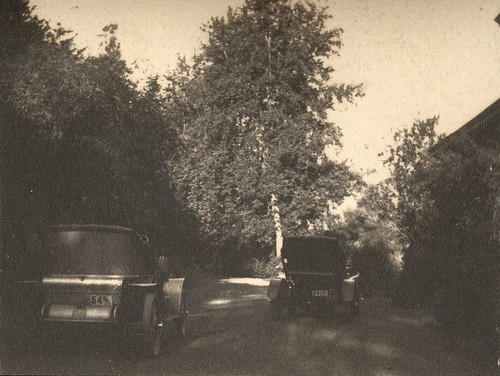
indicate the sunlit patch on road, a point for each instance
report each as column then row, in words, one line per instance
column 351, row 343
column 217, row 302
column 193, row 315
column 326, row 335
column 372, row 348
column 247, row 281
column 383, row 350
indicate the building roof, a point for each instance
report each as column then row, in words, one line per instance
column 484, row 129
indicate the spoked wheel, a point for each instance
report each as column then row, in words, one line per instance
column 152, row 325
column 181, row 321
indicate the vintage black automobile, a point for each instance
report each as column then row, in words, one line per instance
column 97, row 275
column 317, row 279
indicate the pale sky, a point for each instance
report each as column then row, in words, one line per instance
column 416, row 58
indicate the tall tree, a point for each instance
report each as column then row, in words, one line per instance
column 252, row 113
column 409, row 162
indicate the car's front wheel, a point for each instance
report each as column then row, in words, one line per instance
column 181, row 321
column 352, row 311
column 152, row 325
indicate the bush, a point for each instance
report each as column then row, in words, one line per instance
column 268, row 268
column 378, row 272
column 455, row 252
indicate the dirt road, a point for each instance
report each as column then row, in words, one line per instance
column 230, row 333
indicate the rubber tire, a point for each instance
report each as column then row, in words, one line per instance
column 181, row 321
column 356, row 309
column 153, row 333
column 351, row 311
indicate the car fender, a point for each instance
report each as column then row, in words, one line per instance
column 275, row 286
column 173, row 290
column 348, row 286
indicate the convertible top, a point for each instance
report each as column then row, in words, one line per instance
column 94, row 250
column 312, row 254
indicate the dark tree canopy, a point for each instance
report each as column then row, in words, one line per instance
column 80, row 143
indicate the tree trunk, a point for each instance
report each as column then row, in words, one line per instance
column 277, row 224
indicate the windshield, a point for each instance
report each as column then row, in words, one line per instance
column 313, row 254
column 94, row 252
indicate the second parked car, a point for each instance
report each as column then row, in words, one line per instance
column 317, row 279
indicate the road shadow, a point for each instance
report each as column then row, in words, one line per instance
column 385, row 340
column 230, row 332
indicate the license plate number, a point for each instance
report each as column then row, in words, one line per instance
column 101, row 300
column 320, row 293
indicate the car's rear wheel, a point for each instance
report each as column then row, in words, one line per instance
column 181, row 321
column 352, row 311
column 152, row 325
column 357, row 309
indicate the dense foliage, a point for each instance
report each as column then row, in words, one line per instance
column 446, row 197
column 462, row 235
column 410, row 164
column 374, row 241
column 252, row 115
column 79, row 142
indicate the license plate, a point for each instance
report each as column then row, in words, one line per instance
column 101, row 300
column 320, row 293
